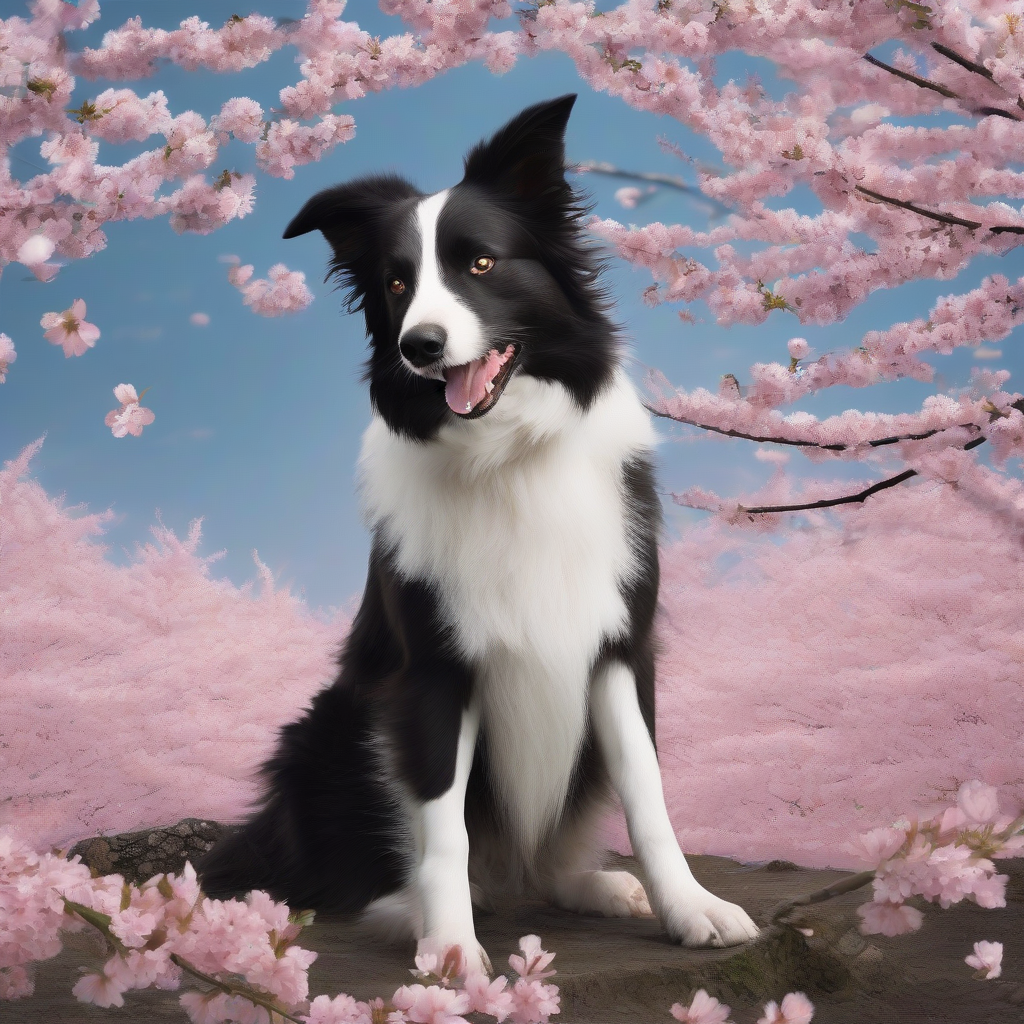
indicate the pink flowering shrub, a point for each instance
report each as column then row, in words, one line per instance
column 165, row 665
column 914, row 702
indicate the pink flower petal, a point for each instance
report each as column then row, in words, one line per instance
column 88, row 333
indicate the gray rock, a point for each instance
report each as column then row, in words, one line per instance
column 140, row 855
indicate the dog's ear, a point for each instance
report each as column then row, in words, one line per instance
column 347, row 215
column 526, row 157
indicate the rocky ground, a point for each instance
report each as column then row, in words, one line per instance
column 619, row 971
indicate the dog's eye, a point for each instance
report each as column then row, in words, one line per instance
column 481, row 265
column 396, row 286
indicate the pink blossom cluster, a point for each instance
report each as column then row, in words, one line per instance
column 149, row 928
column 132, row 416
column 931, row 441
column 71, row 203
column 282, row 291
column 165, row 930
column 987, row 313
column 796, row 1008
column 7, row 355
column 32, row 914
column 945, row 858
column 642, row 54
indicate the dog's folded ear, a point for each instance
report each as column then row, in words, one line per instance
column 348, row 216
column 526, row 157
column 348, row 208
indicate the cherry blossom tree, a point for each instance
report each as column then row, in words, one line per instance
column 927, row 199
column 913, row 159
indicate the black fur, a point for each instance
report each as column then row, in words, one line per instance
column 326, row 835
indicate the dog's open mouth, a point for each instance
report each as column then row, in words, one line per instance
column 473, row 388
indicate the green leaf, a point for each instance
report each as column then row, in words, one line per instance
column 94, row 917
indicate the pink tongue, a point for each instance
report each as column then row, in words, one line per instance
column 466, row 385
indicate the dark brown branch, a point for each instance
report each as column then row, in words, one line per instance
column 861, row 496
column 942, row 217
column 877, row 443
column 942, row 89
column 907, row 77
column 997, row 112
column 847, row 499
column 839, row 888
column 978, row 69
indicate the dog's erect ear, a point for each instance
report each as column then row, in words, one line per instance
column 527, row 155
column 346, row 214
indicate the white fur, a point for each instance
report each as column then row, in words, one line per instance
column 442, row 855
column 519, row 519
column 689, row 912
column 433, row 303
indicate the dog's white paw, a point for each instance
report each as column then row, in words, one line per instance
column 699, row 918
column 474, row 957
column 609, row 893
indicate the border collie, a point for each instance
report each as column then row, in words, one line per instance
column 497, row 685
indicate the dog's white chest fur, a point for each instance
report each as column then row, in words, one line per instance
column 519, row 520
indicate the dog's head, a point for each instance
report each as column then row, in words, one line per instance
column 467, row 289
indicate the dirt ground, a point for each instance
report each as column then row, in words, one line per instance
column 619, row 971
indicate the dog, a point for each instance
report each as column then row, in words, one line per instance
column 497, row 685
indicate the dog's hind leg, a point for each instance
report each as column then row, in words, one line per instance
column 690, row 913
column 328, row 836
column 570, row 876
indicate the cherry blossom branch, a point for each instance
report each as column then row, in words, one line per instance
column 840, row 888
column 978, row 69
column 945, row 90
column 231, row 989
column 970, row 65
column 800, row 443
column 671, row 180
column 943, row 218
column 908, row 77
column 830, row 502
column 603, row 167
column 848, row 499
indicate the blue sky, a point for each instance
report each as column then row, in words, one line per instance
column 258, row 421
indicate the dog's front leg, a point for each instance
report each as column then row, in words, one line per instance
column 442, row 874
column 690, row 913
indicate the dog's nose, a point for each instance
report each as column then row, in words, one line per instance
column 423, row 344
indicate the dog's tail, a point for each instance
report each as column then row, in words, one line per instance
column 260, row 854
column 328, row 835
